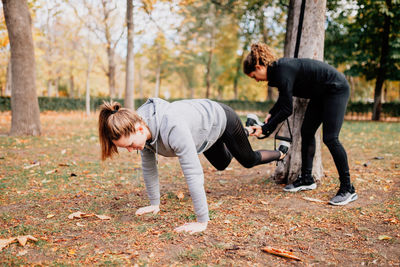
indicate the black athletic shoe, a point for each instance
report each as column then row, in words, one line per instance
column 344, row 196
column 252, row 120
column 301, row 183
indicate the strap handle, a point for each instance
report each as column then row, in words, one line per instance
column 283, row 138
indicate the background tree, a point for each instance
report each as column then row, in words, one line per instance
column 24, row 103
column 130, row 63
column 311, row 46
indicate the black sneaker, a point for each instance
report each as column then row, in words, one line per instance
column 252, row 120
column 344, row 196
column 306, row 183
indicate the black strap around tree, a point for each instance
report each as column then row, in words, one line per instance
column 296, row 55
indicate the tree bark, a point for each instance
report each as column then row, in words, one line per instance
column 158, row 71
column 380, row 79
column 130, row 63
column 311, row 46
column 25, row 111
column 71, row 85
column 9, row 80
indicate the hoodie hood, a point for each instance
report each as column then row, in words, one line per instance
column 151, row 112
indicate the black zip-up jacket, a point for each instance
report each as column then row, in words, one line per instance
column 301, row 77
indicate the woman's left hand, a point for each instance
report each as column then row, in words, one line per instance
column 257, row 130
column 192, row 228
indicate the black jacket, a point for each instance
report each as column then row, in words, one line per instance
column 301, row 77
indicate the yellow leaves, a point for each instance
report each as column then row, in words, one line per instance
column 22, row 240
column 384, row 237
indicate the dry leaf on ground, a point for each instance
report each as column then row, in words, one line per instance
column 5, row 242
column 280, row 252
column 103, row 217
column 180, row 195
column 23, row 239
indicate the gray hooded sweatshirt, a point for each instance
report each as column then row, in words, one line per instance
column 181, row 129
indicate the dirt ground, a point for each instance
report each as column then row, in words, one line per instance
column 45, row 179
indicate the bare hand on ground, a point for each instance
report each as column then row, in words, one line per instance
column 192, row 228
column 154, row 209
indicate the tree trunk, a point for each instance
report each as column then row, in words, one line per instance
column 130, row 63
column 71, row 85
column 87, row 95
column 141, row 82
column 238, row 69
column 57, row 84
column 9, row 80
column 24, row 103
column 111, row 71
column 311, row 46
column 208, row 69
column 158, row 71
column 380, row 79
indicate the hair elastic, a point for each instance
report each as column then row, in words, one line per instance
column 114, row 111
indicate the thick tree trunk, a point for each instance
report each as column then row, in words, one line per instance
column 380, row 79
column 130, row 64
column 311, row 46
column 24, row 103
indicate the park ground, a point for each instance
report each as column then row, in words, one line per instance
column 45, row 179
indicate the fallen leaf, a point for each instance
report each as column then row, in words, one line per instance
column 5, row 242
column 63, row 151
column 280, row 252
column 180, row 195
column 64, row 164
column 50, row 216
column 103, row 217
column 74, row 215
column 71, row 252
column 23, row 239
column 384, row 237
column 31, row 166
column 80, row 224
column 51, row 171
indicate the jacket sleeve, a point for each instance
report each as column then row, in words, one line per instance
column 283, row 107
column 181, row 141
column 150, row 175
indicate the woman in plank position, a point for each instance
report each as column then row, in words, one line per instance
column 180, row 129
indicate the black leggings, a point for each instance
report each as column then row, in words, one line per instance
column 234, row 143
column 328, row 110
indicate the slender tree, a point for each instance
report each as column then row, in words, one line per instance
column 24, row 103
column 311, row 46
column 130, row 63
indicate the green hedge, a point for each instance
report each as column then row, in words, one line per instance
column 391, row 109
